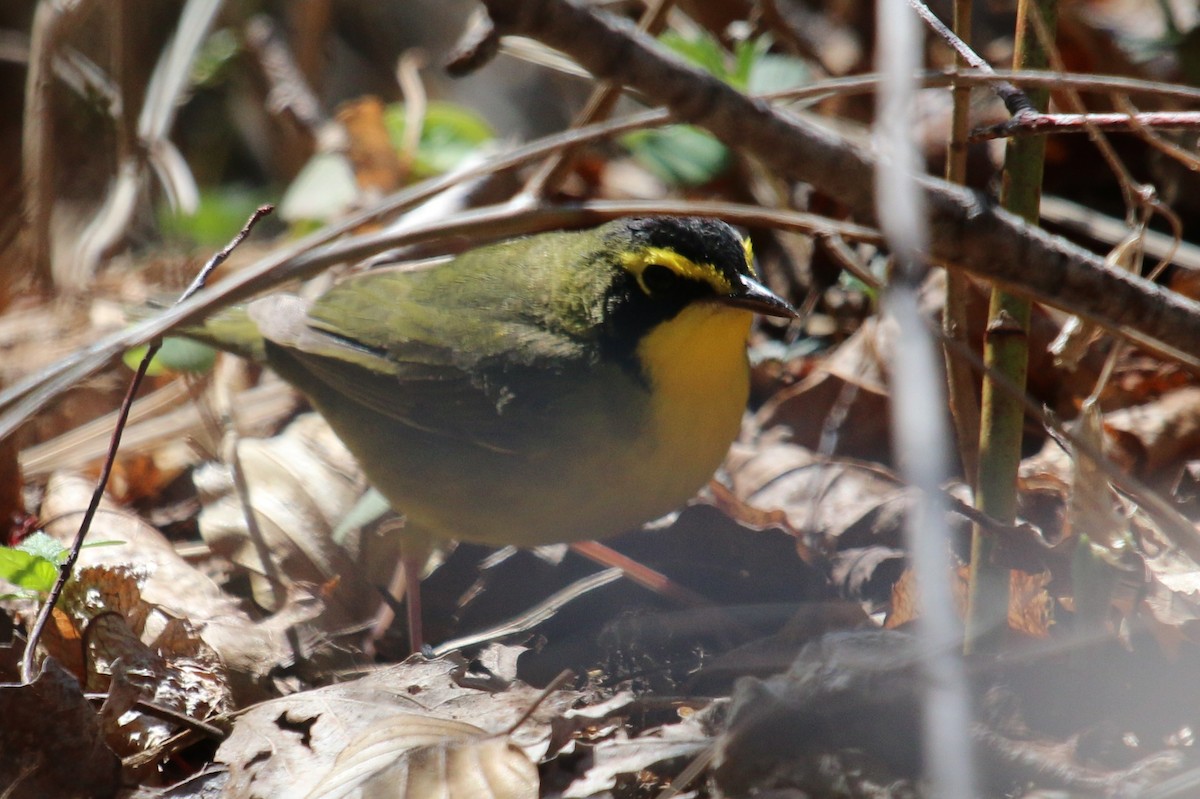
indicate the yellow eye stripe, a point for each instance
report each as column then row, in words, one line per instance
column 636, row 263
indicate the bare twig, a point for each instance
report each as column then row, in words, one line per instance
column 20, row 401
column 288, row 90
column 1041, row 124
column 1014, row 99
column 967, row 229
column 64, row 572
column 1188, row 159
column 962, row 388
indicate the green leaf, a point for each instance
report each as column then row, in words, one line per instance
column 43, row 546
column 27, row 571
column 745, row 55
column 704, row 51
column 221, row 213
column 681, row 155
column 216, row 54
column 751, row 67
column 776, row 73
column 175, row 355
column 450, row 134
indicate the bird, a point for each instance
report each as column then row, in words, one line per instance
column 559, row 387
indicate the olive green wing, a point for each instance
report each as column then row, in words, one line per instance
column 427, row 351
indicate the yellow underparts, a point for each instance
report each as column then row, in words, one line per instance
column 700, row 381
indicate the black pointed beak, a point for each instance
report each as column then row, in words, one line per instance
column 748, row 293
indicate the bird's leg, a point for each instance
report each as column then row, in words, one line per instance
column 406, row 580
column 412, row 564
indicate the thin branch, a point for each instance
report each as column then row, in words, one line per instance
column 1041, row 124
column 1015, row 100
column 962, row 387
column 968, row 230
column 64, row 572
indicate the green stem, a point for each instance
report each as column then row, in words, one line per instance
column 961, row 381
column 1006, row 350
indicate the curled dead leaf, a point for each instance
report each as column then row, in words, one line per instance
column 410, row 756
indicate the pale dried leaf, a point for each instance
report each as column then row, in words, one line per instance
column 622, row 756
column 1030, row 606
column 1077, row 335
column 411, row 757
column 850, row 388
column 1171, row 593
column 284, row 747
column 176, row 670
column 1154, row 436
column 1092, row 507
column 301, row 483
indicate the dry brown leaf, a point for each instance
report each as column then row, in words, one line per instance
column 839, row 503
column 109, row 639
column 906, row 599
column 1171, row 593
column 852, row 385
column 163, row 426
column 50, row 742
column 621, row 756
column 1156, row 435
column 1077, row 335
column 171, row 587
column 63, row 640
column 1030, row 606
column 377, row 167
column 1092, row 507
column 867, row 574
column 175, row 670
column 744, row 513
column 904, row 602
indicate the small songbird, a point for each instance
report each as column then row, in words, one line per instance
column 560, row 387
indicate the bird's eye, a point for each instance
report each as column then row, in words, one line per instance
column 659, row 279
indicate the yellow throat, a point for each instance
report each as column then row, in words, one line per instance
column 700, row 381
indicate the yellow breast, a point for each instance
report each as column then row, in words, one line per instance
column 700, row 381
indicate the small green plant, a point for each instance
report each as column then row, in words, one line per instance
column 33, row 564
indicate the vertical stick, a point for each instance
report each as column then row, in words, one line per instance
column 1006, row 350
